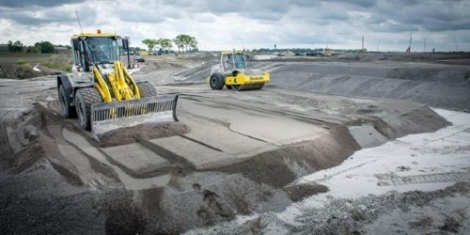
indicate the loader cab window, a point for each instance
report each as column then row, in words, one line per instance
column 78, row 57
column 102, row 49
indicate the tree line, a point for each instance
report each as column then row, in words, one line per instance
column 39, row 47
column 183, row 42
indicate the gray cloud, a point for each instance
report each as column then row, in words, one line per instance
column 49, row 15
column 361, row 3
column 280, row 21
column 268, row 16
column 139, row 17
column 40, row 3
column 433, row 16
column 28, row 20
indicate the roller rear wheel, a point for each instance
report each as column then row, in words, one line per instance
column 217, row 81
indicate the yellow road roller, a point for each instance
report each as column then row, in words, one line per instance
column 233, row 73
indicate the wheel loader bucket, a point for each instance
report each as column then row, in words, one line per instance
column 106, row 117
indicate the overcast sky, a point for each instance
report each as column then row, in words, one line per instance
column 236, row 24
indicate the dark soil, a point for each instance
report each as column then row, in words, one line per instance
column 142, row 132
column 299, row 192
column 276, row 168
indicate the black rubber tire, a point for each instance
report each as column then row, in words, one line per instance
column 67, row 110
column 228, row 87
column 217, row 81
column 261, row 86
column 146, row 90
column 84, row 98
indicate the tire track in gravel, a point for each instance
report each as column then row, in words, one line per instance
column 260, row 107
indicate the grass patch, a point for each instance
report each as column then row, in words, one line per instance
column 22, row 62
column 56, row 65
column 16, row 54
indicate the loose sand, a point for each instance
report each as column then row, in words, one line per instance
column 55, row 178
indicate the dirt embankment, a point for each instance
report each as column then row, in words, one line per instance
column 29, row 67
column 142, row 132
column 412, row 212
column 439, row 86
column 37, row 182
column 42, row 173
column 191, row 199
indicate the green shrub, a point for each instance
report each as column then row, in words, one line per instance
column 56, row 65
column 22, row 62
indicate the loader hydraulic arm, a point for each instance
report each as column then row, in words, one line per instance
column 123, row 86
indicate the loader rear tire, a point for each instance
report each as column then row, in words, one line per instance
column 147, row 90
column 67, row 110
column 217, row 81
column 84, row 98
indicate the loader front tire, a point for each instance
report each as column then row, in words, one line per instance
column 217, row 81
column 146, row 90
column 84, row 98
column 67, row 110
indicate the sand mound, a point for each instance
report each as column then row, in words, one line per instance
column 197, row 74
column 15, row 71
column 202, row 56
column 142, row 132
column 158, row 65
column 392, row 213
column 19, row 139
column 443, row 87
column 281, row 167
column 48, row 176
column 191, row 199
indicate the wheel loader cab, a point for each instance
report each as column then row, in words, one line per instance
column 89, row 49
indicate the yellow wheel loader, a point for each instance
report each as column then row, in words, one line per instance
column 101, row 92
column 234, row 74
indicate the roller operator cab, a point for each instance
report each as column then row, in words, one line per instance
column 101, row 92
column 232, row 72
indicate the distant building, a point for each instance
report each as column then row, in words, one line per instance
column 288, row 53
column 62, row 50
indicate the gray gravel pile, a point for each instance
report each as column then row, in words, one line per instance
column 368, row 215
column 199, row 73
column 443, row 87
column 436, row 85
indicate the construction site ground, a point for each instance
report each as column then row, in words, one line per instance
column 343, row 145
